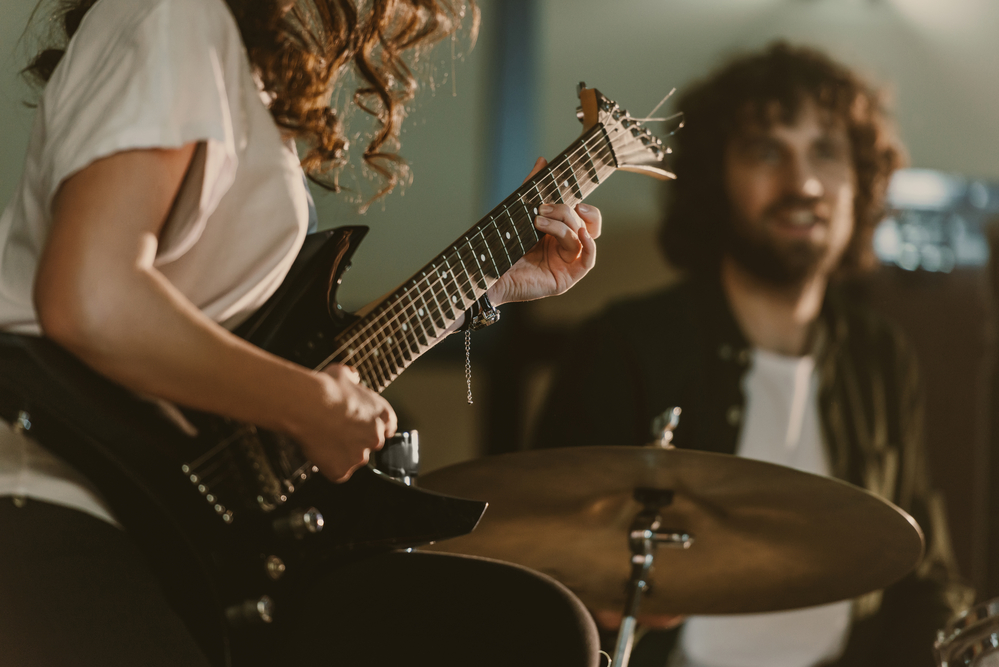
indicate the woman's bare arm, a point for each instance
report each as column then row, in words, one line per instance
column 98, row 294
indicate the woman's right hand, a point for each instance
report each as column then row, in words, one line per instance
column 350, row 422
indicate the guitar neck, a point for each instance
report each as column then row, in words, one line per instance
column 409, row 321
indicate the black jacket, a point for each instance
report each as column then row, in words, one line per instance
column 682, row 347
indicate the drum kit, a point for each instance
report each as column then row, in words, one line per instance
column 673, row 532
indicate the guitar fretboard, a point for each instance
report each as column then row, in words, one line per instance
column 408, row 322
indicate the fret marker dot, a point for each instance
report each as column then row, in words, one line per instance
column 482, row 257
column 443, row 274
column 566, row 185
column 535, row 211
column 508, row 234
column 405, row 327
column 388, row 340
column 350, row 350
column 454, row 299
column 421, row 312
column 375, row 353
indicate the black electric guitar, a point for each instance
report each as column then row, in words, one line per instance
column 235, row 518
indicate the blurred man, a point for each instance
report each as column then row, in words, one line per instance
column 783, row 166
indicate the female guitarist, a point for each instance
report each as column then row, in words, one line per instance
column 162, row 202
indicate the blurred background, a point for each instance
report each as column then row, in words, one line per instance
column 487, row 113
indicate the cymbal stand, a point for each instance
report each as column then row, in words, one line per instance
column 643, row 538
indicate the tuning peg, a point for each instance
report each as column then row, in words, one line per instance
column 580, row 88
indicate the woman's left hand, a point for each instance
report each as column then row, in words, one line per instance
column 565, row 254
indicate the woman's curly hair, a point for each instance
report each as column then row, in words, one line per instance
column 747, row 92
column 302, row 48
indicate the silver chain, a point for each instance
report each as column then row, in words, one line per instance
column 468, row 364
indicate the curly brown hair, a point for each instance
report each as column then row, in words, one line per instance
column 302, row 48
column 744, row 93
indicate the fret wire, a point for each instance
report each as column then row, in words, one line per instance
column 530, row 220
column 432, row 305
column 558, row 175
column 579, row 190
column 499, row 236
column 555, row 194
column 457, row 289
column 490, row 252
column 593, row 166
column 475, row 256
column 366, row 378
column 529, row 230
column 436, row 284
column 588, row 177
column 393, row 350
column 419, row 320
column 506, row 238
column 558, row 191
column 377, row 364
column 469, row 290
column 379, row 344
column 442, row 323
column 520, row 241
column 513, row 225
column 370, row 370
column 406, row 334
column 425, row 316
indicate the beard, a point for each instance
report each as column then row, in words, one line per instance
column 781, row 262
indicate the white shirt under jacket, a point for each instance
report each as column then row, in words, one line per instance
column 146, row 74
column 781, row 426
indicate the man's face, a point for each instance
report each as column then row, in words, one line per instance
column 791, row 190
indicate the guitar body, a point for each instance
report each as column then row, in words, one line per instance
column 216, row 564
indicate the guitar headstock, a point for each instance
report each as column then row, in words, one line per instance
column 635, row 148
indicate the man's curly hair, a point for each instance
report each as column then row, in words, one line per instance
column 302, row 48
column 761, row 89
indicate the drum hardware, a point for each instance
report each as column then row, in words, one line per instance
column 769, row 538
column 644, row 537
column 971, row 639
column 664, row 425
column 23, row 422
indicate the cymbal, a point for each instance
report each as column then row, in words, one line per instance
column 766, row 537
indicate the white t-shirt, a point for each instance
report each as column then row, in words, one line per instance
column 145, row 74
column 781, row 426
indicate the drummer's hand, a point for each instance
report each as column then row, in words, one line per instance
column 611, row 620
column 565, row 253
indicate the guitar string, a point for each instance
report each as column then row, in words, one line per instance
column 382, row 371
column 477, row 242
column 451, row 256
